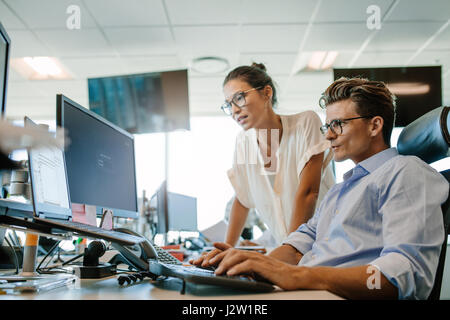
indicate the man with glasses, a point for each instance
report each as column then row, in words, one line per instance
column 377, row 234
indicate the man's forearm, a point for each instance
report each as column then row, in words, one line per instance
column 361, row 282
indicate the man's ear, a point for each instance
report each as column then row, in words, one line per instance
column 377, row 124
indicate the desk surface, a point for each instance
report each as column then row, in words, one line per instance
column 169, row 289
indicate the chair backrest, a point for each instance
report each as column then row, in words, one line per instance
column 436, row 292
column 428, row 138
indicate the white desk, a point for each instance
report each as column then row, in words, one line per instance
column 169, row 289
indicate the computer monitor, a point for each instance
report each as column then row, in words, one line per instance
column 162, row 209
column 48, row 176
column 174, row 211
column 182, row 211
column 143, row 103
column 5, row 44
column 100, row 160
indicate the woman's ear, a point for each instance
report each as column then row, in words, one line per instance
column 268, row 92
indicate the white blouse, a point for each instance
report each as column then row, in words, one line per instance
column 301, row 139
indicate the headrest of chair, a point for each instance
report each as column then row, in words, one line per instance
column 428, row 136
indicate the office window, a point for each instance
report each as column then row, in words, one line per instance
column 150, row 162
column 197, row 163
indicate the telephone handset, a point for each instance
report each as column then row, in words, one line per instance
column 137, row 255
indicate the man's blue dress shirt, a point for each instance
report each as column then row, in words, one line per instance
column 386, row 213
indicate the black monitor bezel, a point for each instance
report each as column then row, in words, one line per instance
column 5, row 76
column 60, row 102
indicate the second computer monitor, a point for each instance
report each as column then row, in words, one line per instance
column 182, row 212
column 100, row 160
column 175, row 212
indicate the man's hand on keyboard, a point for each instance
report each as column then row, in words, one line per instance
column 261, row 267
column 205, row 259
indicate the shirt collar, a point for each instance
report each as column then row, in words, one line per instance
column 374, row 162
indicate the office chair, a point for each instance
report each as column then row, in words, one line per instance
column 428, row 138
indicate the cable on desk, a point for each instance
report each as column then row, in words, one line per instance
column 131, row 278
column 38, row 269
column 16, row 260
column 72, row 259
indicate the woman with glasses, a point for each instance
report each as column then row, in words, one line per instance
column 279, row 164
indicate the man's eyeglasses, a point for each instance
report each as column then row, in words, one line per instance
column 238, row 99
column 336, row 125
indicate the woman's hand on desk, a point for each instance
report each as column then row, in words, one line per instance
column 206, row 257
column 248, row 243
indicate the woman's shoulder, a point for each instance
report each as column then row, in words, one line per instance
column 301, row 119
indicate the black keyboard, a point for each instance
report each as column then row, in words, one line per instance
column 204, row 276
column 90, row 231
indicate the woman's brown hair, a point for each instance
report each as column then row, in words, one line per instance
column 255, row 75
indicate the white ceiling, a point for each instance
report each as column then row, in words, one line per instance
column 136, row 36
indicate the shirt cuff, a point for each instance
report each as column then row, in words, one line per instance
column 397, row 269
column 300, row 241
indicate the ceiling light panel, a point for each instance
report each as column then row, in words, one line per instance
column 348, row 10
column 72, row 43
column 271, row 12
column 418, row 10
column 402, row 36
column 198, row 12
column 144, row 40
column 271, row 38
column 121, row 13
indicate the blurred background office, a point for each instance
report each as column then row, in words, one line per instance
column 57, row 45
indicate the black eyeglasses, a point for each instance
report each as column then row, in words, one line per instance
column 336, row 125
column 238, row 99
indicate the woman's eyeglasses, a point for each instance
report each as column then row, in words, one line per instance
column 238, row 99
